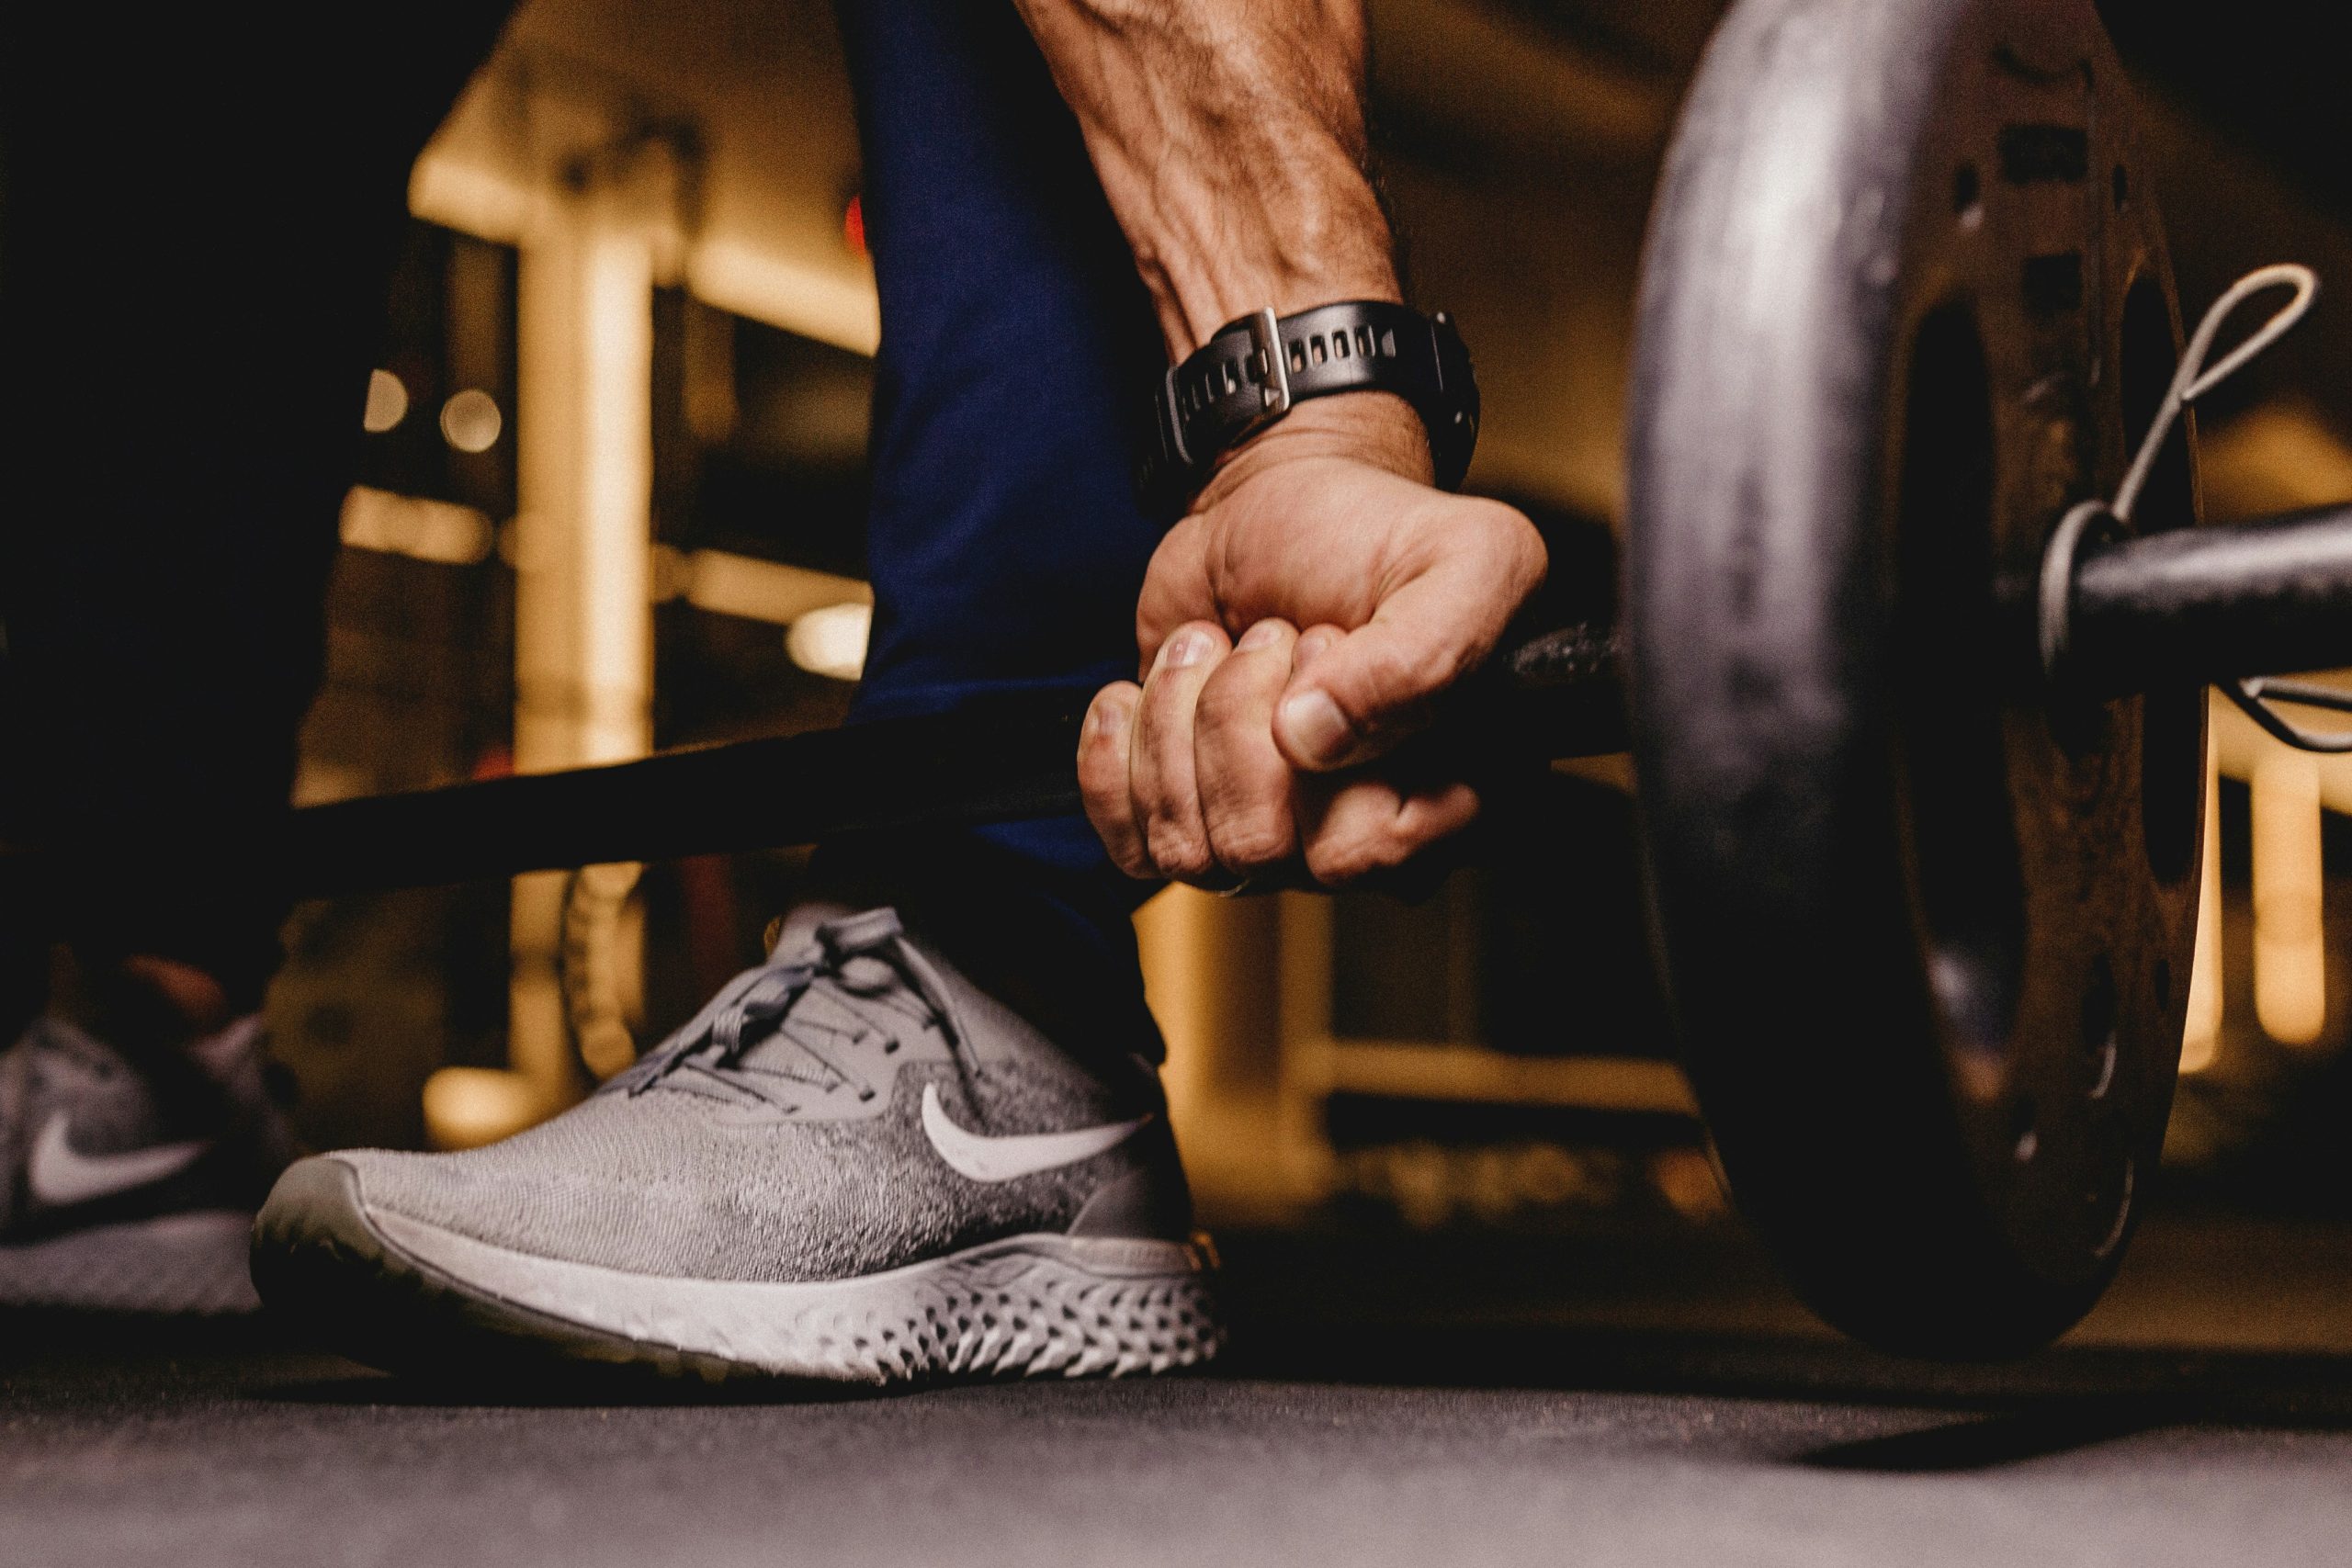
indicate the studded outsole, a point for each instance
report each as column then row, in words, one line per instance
column 400, row 1294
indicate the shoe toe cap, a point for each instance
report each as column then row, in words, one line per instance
column 316, row 1201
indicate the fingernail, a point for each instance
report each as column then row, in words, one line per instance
column 1314, row 728
column 1263, row 634
column 1186, row 647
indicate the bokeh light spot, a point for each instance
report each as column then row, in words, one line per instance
column 471, row 421
column 387, row 402
column 832, row 641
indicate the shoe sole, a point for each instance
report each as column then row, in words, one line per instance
column 400, row 1294
column 191, row 1263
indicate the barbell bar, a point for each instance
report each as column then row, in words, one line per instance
column 2212, row 604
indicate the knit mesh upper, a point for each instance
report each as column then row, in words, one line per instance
column 799, row 1151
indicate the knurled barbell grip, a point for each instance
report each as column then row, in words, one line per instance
column 1557, row 695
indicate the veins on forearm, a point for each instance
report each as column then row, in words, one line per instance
column 1229, row 138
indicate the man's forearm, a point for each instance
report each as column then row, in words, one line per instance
column 1229, row 138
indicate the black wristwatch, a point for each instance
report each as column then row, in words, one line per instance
column 1256, row 369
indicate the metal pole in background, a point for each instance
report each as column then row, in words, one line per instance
column 582, row 555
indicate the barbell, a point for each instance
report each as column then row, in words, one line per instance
column 1911, row 651
column 1918, row 627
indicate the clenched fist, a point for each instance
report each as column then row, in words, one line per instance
column 1295, row 627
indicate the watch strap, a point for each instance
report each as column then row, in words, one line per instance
column 1255, row 369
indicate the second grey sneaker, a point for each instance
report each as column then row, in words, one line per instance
column 129, row 1186
column 852, row 1166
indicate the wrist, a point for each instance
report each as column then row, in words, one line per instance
column 1378, row 429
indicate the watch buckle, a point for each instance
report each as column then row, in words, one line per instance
column 1273, row 368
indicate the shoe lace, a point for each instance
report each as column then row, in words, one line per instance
column 862, row 964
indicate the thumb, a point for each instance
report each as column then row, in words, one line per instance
column 1370, row 688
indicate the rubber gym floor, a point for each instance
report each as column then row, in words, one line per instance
column 1388, row 1400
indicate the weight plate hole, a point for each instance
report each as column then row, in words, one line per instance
column 2053, row 284
column 2039, row 155
column 1968, row 196
column 1963, row 832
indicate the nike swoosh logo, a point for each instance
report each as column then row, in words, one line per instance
column 1023, row 1153
column 58, row 1173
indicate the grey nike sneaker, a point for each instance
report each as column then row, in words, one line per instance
column 853, row 1166
column 132, row 1187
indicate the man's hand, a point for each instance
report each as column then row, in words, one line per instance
column 1230, row 140
column 1296, row 625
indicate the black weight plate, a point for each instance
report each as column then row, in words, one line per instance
column 1903, row 300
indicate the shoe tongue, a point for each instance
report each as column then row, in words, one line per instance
column 844, row 944
column 864, row 975
column 847, row 951
column 853, row 934
column 806, row 1043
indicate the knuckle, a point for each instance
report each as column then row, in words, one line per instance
column 1388, row 680
column 1427, row 819
column 1116, row 830
column 1389, row 851
column 1253, row 842
column 1363, row 836
column 1245, row 795
column 1125, row 853
column 1333, row 862
column 1151, row 795
column 1156, row 732
column 1228, row 701
column 1178, row 851
column 1433, row 666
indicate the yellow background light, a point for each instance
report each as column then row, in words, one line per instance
column 408, row 525
column 471, row 421
column 832, row 641
column 467, row 1107
column 387, row 402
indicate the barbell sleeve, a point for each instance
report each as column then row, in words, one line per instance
column 2191, row 606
